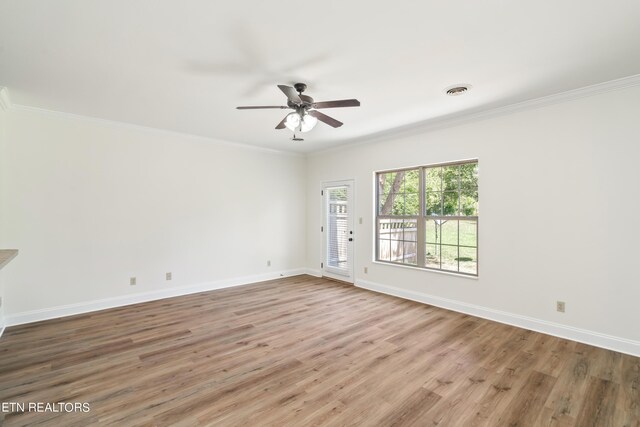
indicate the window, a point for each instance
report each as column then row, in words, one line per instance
column 428, row 217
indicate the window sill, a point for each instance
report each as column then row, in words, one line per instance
column 428, row 270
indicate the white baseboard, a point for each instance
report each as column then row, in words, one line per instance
column 597, row 339
column 313, row 272
column 119, row 301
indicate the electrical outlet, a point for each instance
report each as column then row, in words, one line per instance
column 360, row 220
column 132, row 281
column 0, row 302
column 269, row 263
column 366, row 270
column 560, row 306
column 168, row 276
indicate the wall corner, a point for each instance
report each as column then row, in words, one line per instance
column 5, row 101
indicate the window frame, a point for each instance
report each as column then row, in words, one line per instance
column 422, row 217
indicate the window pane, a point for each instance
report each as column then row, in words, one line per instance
column 410, row 231
column 433, row 179
column 384, row 229
column 337, row 227
column 469, row 176
column 412, row 181
column 385, row 182
column 468, row 233
column 338, row 194
column 469, row 203
column 381, row 199
column 396, row 250
column 450, row 203
column 432, row 231
column 450, row 178
column 434, row 204
column 410, row 253
column 389, row 185
column 468, row 260
column 384, row 250
column 396, row 230
column 449, row 258
column 449, row 232
column 412, row 205
column 398, row 204
column 432, row 254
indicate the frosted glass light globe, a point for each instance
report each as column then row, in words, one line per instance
column 292, row 121
column 308, row 123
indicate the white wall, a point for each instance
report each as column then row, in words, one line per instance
column 3, row 126
column 90, row 204
column 559, row 214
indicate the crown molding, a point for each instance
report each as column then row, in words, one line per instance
column 147, row 129
column 402, row 131
column 5, row 102
column 480, row 114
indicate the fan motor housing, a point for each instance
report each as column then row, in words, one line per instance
column 307, row 101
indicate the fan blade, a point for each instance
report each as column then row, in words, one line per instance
column 281, row 124
column 337, row 104
column 261, row 107
column 324, row 118
column 291, row 94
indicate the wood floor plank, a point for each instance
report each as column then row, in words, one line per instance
column 628, row 406
column 598, row 406
column 412, row 410
column 449, row 411
column 524, row 408
column 567, row 397
column 306, row 351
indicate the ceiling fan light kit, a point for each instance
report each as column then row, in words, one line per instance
column 304, row 123
column 306, row 114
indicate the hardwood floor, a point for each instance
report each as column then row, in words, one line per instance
column 304, row 351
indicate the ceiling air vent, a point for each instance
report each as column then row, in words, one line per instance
column 457, row 90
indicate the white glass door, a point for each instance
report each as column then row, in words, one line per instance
column 337, row 231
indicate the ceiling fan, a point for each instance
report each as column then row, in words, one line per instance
column 306, row 114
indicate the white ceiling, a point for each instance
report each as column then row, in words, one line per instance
column 184, row 65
